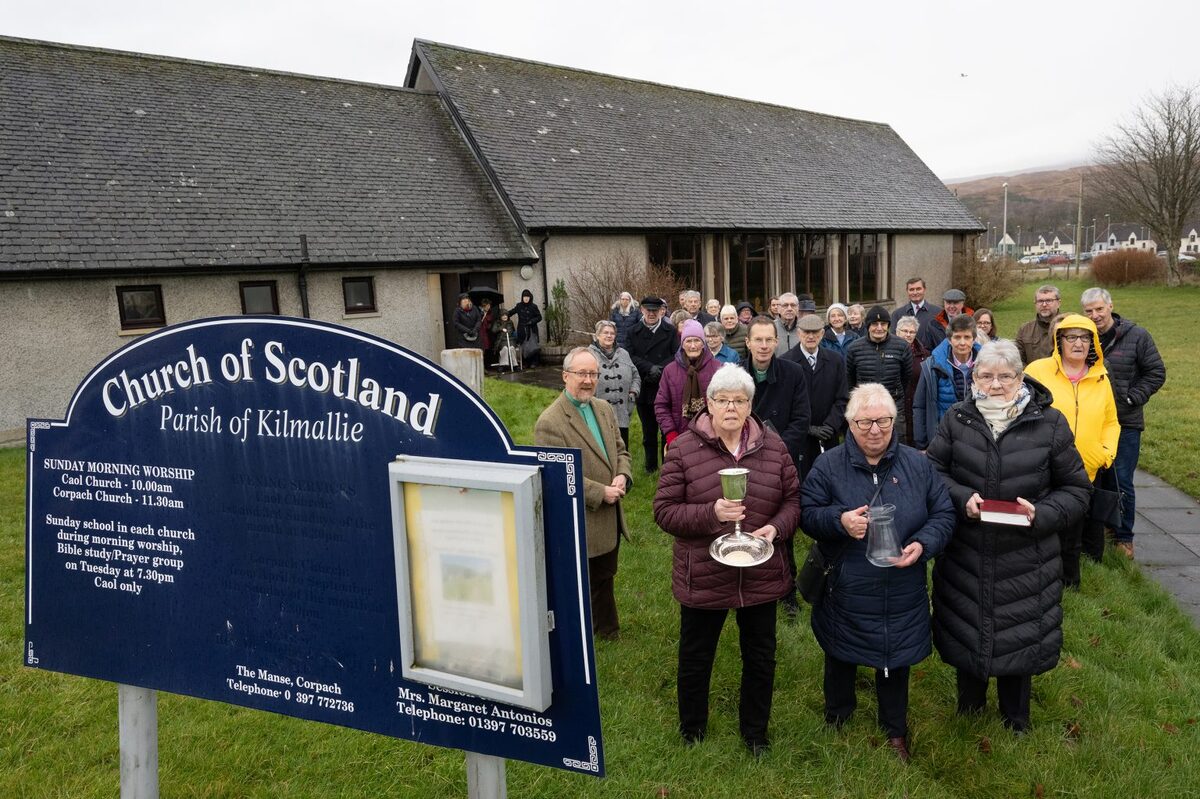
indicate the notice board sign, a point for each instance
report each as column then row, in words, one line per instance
column 215, row 517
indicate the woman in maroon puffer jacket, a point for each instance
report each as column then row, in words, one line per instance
column 690, row 506
column 681, row 391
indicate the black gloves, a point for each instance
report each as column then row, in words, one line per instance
column 822, row 432
column 655, row 373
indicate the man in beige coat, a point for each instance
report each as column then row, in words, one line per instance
column 578, row 419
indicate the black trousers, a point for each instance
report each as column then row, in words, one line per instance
column 651, row 440
column 699, row 631
column 625, row 436
column 891, row 692
column 1012, row 691
column 1084, row 537
column 1071, row 541
column 602, row 572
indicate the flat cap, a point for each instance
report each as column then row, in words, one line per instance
column 653, row 302
column 954, row 295
column 811, row 323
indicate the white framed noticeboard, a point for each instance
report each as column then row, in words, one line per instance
column 470, row 577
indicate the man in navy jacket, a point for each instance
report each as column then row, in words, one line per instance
column 825, row 373
column 780, row 403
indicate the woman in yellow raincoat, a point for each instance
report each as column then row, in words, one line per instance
column 1076, row 377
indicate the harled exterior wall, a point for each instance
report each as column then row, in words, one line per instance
column 52, row 332
column 927, row 255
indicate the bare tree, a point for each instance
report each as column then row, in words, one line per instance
column 1150, row 168
column 595, row 286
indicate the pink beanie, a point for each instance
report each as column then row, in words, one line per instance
column 691, row 329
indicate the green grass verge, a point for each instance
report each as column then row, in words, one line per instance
column 1119, row 721
column 1169, row 444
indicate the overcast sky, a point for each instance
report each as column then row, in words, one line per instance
column 974, row 86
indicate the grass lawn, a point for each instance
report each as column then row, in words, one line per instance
column 1169, row 444
column 1117, row 718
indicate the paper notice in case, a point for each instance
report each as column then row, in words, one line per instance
column 462, row 546
column 999, row 511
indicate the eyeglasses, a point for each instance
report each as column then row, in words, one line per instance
column 583, row 375
column 1071, row 338
column 730, row 403
column 884, row 423
column 1006, row 378
column 1049, row 301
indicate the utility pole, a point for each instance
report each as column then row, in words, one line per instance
column 1004, row 223
column 1078, row 224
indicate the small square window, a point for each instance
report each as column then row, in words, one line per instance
column 141, row 306
column 259, row 297
column 359, row 294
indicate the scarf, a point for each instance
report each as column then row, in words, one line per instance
column 998, row 412
column 693, row 398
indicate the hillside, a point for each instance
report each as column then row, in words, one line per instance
column 1038, row 202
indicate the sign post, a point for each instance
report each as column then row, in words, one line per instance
column 296, row 517
column 137, row 723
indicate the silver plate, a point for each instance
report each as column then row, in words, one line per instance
column 748, row 551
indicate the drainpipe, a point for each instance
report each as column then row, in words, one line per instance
column 545, row 279
column 302, row 277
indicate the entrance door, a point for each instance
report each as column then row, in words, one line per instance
column 455, row 283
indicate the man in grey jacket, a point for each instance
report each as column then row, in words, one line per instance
column 1135, row 372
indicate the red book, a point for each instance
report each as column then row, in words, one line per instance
column 1000, row 511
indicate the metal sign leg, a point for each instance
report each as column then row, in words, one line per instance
column 137, row 719
column 485, row 777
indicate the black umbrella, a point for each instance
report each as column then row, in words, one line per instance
column 493, row 296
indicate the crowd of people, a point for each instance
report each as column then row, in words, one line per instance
column 1001, row 461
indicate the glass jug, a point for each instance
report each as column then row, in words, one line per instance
column 883, row 546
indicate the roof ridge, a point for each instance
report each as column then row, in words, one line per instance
column 85, row 48
column 419, row 41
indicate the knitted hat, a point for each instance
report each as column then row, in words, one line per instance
column 691, row 329
column 877, row 314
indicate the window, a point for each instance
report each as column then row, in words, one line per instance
column 681, row 254
column 259, row 297
column 812, row 262
column 141, row 306
column 359, row 294
column 863, row 251
column 748, row 270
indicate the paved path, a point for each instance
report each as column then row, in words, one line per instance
column 1167, row 539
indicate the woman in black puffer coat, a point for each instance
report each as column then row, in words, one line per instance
column 997, row 589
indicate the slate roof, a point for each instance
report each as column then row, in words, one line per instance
column 1123, row 229
column 122, row 161
column 576, row 149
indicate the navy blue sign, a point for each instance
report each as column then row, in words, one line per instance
column 212, row 518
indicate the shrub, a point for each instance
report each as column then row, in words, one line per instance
column 558, row 314
column 1122, row 267
column 985, row 283
column 599, row 282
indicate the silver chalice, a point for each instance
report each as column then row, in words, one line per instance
column 737, row 548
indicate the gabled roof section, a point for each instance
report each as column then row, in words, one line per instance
column 122, row 161
column 1124, row 230
column 576, row 149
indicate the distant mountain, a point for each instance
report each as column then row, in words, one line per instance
column 1038, row 202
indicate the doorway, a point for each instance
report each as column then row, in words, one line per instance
column 455, row 283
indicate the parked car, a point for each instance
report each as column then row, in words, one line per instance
column 1028, row 259
column 1058, row 258
column 1087, row 256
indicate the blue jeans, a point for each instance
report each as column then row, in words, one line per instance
column 1129, row 447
